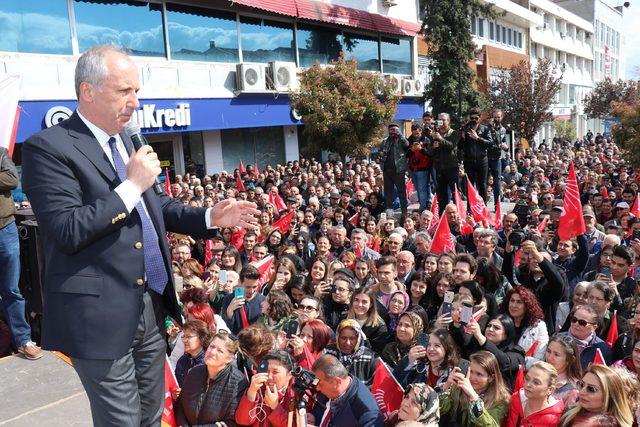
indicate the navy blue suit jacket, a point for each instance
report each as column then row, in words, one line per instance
column 94, row 260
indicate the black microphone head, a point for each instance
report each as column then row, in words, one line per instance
column 132, row 128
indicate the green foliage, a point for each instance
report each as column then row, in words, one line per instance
column 341, row 108
column 627, row 134
column 525, row 95
column 597, row 103
column 448, row 34
column 564, row 130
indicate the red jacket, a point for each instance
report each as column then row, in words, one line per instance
column 418, row 160
column 245, row 414
column 307, row 358
column 548, row 417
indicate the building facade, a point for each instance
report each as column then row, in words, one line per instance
column 215, row 74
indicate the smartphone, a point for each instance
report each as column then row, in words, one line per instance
column 222, row 278
column 439, row 123
column 423, row 340
column 263, row 367
column 447, row 305
column 238, row 292
column 332, row 288
column 291, row 327
column 206, row 275
column 605, row 271
column 466, row 313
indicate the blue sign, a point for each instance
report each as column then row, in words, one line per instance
column 608, row 123
column 180, row 115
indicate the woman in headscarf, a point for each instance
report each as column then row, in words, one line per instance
column 398, row 304
column 408, row 329
column 360, row 361
column 420, row 404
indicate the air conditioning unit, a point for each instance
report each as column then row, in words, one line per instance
column 408, row 87
column 418, row 87
column 251, row 77
column 283, row 76
column 394, row 81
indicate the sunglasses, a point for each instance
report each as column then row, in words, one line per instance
column 588, row 387
column 306, row 308
column 580, row 322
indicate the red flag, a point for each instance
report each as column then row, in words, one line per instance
column 386, row 389
column 276, row 200
column 410, row 189
column 571, row 221
column 532, row 349
column 208, row 246
column 605, row 192
column 478, row 208
column 241, row 169
column 376, row 245
column 354, row 219
column 519, row 381
column 465, row 228
column 239, row 183
column 635, row 210
column 543, row 224
column 264, row 268
column 357, row 251
column 435, row 219
column 612, row 335
column 167, row 183
column 237, row 238
column 170, row 384
column 284, row 223
column 443, row 240
column 598, row 359
column 498, row 220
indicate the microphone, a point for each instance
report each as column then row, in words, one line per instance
column 132, row 130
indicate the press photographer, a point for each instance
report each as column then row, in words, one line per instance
column 444, row 152
column 393, row 159
column 496, row 151
column 474, row 142
column 420, row 165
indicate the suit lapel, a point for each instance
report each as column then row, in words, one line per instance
column 88, row 145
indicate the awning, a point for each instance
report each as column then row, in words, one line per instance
column 314, row 10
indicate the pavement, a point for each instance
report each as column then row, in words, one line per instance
column 43, row 392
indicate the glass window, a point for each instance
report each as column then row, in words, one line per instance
column 509, row 33
column 396, row 56
column 481, row 27
column 363, row 49
column 33, row 26
column 473, row 25
column 504, row 35
column 520, row 39
column 266, row 41
column 202, row 35
column 135, row 27
column 491, row 31
column 316, row 44
column 498, row 33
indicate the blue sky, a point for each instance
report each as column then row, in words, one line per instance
column 632, row 38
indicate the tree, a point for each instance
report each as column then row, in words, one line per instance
column 627, row 134
column 564, row 130
column 448, row 35
column 597, row 103
column 525, row 95
column 343, row 110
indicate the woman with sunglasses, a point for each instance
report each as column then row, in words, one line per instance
column 211, row 392
column 309, row 344
column 336, row 305
column 309, row 308
column 584, row 322
column 534, row 404
column 364, row 310
column 408, row 329
column 479, row 398
column 601, row 391
column 562, row 354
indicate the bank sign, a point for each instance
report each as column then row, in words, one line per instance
column 150, row 117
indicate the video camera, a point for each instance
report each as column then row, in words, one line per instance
column 305, row 381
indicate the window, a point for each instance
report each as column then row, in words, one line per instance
column 520, row 39
column 481, row 27
column 491, row 31
column 317, row 44
column 202, row 35
column 498, row 33
column 473, row 25
column 396, row 56
column 364, row 49
column 504, row 35
column 135, row 27
column 509, row 34
column 33, row 26
column 265, row 41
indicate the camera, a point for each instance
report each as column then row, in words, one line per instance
column 304, row 380
column 496, row 123
column 517, row 237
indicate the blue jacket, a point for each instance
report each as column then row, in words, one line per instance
column 355, row 408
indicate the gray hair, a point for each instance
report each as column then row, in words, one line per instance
column 330, row 367
column 489, row 233
column 91, row 67
column 358, row 231
column 446, row 115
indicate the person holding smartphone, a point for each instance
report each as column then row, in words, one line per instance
column 243, row 307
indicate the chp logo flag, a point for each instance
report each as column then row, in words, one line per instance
column 443, row 241
column 9, row 110
column 386, row 390
column 264, row 268
column 571, row 221
column 170, row 385
column 276, row 200
column 478, row 208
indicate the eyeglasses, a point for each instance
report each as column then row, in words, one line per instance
column 580, row 322
column 588, row 387
column 306, row 308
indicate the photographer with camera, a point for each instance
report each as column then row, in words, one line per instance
column 393, row 160
column 496, row 151
column 420, row 165
column 443, row 150
column 474, row 142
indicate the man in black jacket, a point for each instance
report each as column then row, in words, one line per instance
column 474, row 141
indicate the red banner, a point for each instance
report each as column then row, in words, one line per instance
column 571, row 221
column 443, row 240
column 170, row 385
column 386, row 389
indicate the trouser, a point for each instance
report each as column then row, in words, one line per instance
column 495, row 168
column 395, row 179
column 10, row 298
column 130, row 391
column 477, row 171
column 422, row 183
column 447, row 179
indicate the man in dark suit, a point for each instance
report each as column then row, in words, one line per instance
column 108, row 279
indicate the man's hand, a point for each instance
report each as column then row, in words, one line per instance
column 235, row 304
column 232, row 213
column 143, row 168
column 530, row 247
column 472, row 134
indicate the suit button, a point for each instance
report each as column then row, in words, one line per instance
column 138, row 245
column 139, row 282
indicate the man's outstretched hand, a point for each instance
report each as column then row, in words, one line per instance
column 234, row 213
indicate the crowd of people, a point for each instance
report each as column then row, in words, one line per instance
column 515, row 328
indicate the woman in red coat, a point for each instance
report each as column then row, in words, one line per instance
column 534, row 405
